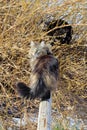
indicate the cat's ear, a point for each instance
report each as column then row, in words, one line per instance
column 42, row 43
column 32, row 43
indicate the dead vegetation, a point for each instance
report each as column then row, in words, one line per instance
column 18, row 26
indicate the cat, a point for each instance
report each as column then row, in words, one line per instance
column 57, row 30
column 44, row 73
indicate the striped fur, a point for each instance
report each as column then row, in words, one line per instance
column 44, row 75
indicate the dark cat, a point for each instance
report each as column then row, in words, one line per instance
column 58, row 30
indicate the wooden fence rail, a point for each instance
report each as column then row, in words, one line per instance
column 44, row 117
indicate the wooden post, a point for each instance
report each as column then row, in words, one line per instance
column 44, row 118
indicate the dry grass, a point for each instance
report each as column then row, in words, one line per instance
column 18, row 26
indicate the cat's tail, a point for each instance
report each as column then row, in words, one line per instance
column 23, row 90
column 40, row 91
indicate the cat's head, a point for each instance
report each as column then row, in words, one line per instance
column 39, row 49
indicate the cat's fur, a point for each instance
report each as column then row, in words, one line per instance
column 58, row 30
column 44, row 75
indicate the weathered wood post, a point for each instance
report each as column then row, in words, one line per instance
column 44, row 117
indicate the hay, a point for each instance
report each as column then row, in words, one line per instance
column 18, row 26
